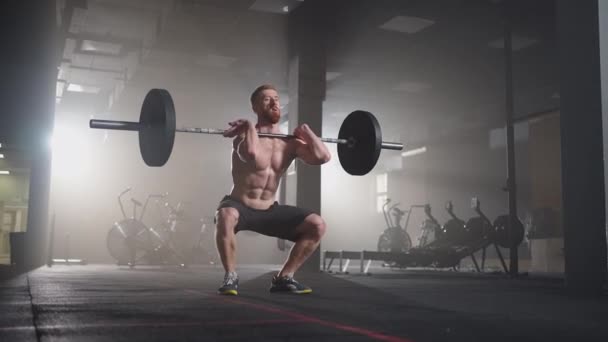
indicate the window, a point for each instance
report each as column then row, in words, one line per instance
column 381, row 191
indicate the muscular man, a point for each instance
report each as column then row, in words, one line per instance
column 257, row 166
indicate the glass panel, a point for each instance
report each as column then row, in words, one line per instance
column 428, row 72
column 540, row 196
column 381, row 183
column 14, row 194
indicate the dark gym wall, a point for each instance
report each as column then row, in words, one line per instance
column 603, row 27
column 582, row 146
column 29, row 69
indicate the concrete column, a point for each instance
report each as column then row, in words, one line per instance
column 306, row 80
column 582, row 144
column 29, row 69
column 603, row 31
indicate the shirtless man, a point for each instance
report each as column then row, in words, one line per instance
column 257, row 166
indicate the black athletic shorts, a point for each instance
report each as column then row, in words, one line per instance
column 279, row 220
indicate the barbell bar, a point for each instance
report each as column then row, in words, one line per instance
column 136, row 126
column 359, row 139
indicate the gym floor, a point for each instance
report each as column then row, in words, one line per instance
column 111, row 303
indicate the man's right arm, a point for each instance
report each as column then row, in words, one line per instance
column 247, row 146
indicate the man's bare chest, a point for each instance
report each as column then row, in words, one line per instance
column 274, row 154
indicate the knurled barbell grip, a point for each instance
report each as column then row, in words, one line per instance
column 385, row 144
column 270, row 135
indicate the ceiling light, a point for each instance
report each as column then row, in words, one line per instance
column 275, row 6
column 4, row 172
column 405, row 24
column 414, row 152
column 412, row 87
column 517, row 43
column 79, row 88
column 1, row 156
column 101, row 47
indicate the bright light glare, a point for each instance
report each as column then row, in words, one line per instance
column 70, row 152
column 1, row 156
column 382, row 183
column 4, row 172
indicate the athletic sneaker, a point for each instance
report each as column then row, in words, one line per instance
column 230, row 286
column 288, row 285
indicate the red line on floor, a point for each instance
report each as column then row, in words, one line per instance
column 310, row 319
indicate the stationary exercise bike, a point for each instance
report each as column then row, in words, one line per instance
column 394, row 238
column 132, row 242
column 186, row 238
column 430, row 227
column 128, row 241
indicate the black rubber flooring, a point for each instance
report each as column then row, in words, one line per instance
column 111, row 303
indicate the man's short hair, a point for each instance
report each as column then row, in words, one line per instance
column 259, row 90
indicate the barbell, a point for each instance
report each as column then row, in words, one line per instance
column 359, row 139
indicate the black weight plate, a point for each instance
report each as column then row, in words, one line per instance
column 359, row 157
column 454, row 231
column 501, row 232
column 394, row 239
column 478, row 228
column 157, row 132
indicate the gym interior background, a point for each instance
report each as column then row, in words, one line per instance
column 433, row 73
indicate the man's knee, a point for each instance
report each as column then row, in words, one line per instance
column 315, row 227
column 226, row 219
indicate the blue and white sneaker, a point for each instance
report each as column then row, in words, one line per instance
column 230, row 286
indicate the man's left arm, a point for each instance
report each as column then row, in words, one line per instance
column 309, row 147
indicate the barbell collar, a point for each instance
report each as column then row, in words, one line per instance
column 115, row 125
column 387, row 145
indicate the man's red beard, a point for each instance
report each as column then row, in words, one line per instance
column 272, row 116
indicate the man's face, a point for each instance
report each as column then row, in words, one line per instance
column 267, row 106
